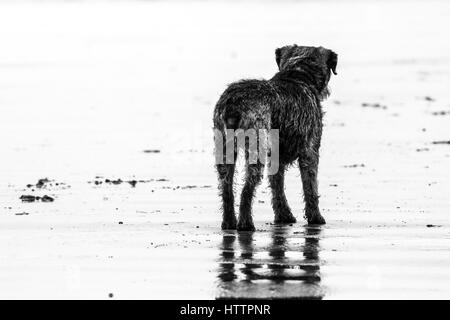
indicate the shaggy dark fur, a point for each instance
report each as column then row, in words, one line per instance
column 290, row 102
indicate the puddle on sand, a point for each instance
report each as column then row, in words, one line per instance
column 287, row 267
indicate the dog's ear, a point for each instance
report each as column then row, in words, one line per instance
column 278, row 57
column 332, row 61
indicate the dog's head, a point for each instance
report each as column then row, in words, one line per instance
column 318, row 61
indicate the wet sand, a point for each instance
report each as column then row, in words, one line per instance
column 112, row 103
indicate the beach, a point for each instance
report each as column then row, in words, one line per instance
column 106, row 109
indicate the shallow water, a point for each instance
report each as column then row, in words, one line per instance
column 251, row 267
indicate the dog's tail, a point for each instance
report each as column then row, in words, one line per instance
column 231, row 121
column 226, row 117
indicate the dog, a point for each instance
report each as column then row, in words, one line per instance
column 290, row 102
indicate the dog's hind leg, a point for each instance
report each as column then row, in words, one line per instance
column 226, row 177
column 253, row 177
column 280, row 206
column 308, row 164
column 225, row 170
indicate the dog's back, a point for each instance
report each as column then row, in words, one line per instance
column 284, row 102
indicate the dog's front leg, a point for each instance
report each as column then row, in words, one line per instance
column 308, row 164
column 280, row 206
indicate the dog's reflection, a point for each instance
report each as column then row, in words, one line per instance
column 288, row 264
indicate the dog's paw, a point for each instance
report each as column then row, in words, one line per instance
column 229, row 225
column 316, row 219
column 286, row 218
column 245, row 226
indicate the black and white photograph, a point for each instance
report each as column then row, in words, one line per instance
column 224, row 150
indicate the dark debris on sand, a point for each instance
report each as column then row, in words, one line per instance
column 113, row 182
column 373, row 105
column 42, row 182
column 46, row 183
column 31, row 198
column 99, row 181
column 187, row 187
column 152, row 151
column 355, row 166
column 193, row 187
column 28, row 198
column 440, row 113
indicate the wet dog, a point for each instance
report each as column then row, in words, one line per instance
column 289, row 102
